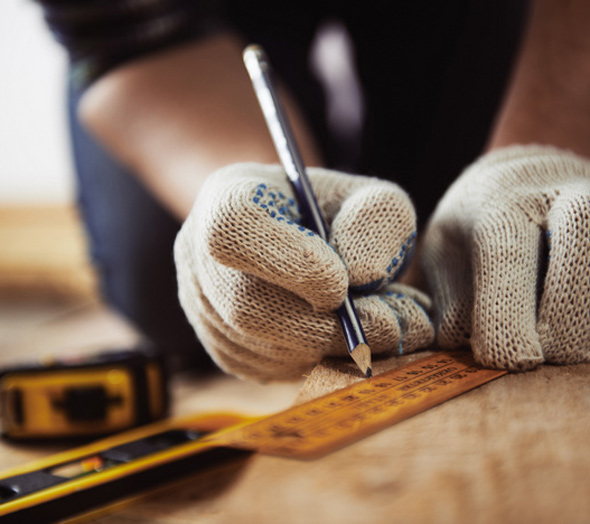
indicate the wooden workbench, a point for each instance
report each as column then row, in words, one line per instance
column 516, row 450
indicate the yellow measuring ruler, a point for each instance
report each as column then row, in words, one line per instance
column 120, row 466
column 337, row 419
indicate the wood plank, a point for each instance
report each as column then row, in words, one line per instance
column 514, row 451
column 44, row 252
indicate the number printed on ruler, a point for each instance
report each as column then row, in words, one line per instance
column 324, row 424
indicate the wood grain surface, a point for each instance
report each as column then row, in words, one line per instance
column 516, row 450
column 43, row 253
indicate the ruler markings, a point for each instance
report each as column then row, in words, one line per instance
column 338, row 418
column 364, row 402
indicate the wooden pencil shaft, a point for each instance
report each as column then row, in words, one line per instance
column 260, row 73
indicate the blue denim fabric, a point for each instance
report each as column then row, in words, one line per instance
column 131, row 239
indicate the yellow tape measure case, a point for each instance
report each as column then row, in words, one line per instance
column 105, row 393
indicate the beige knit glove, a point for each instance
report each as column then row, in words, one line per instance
column 507, row 254
column 260, row 290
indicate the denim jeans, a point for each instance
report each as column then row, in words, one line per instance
column 131, row 239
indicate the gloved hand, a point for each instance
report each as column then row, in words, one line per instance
column 507, row 255
column 260, row 289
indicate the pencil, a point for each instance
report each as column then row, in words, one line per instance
column 260, row 73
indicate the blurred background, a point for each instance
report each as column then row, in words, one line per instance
column 46, row 279
column 48, row 300
column 49, row 305
column 34, row 157
column 42, row 250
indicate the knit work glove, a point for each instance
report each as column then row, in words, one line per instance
column 261, row 290
column 507, row 254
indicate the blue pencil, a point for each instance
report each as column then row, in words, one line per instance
column 260, row 73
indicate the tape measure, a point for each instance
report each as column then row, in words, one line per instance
column 88, row 395
column 101, row 473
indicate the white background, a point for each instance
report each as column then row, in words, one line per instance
column 35, row 165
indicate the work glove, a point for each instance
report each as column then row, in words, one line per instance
column 507, row 258
column 260, row 289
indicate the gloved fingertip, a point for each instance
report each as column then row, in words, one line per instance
column 513, row 352
column 375, row 232
column 514, row 365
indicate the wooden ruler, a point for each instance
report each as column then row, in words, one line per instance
column 337, row 419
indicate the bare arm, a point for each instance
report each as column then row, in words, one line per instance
column 176, row 116
column 549, row 98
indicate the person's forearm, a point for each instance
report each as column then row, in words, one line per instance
column 548, row 101
column 176, row 116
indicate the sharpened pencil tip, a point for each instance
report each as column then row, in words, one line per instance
column 362, row 356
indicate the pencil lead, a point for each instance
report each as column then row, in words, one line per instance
column 361, row 354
